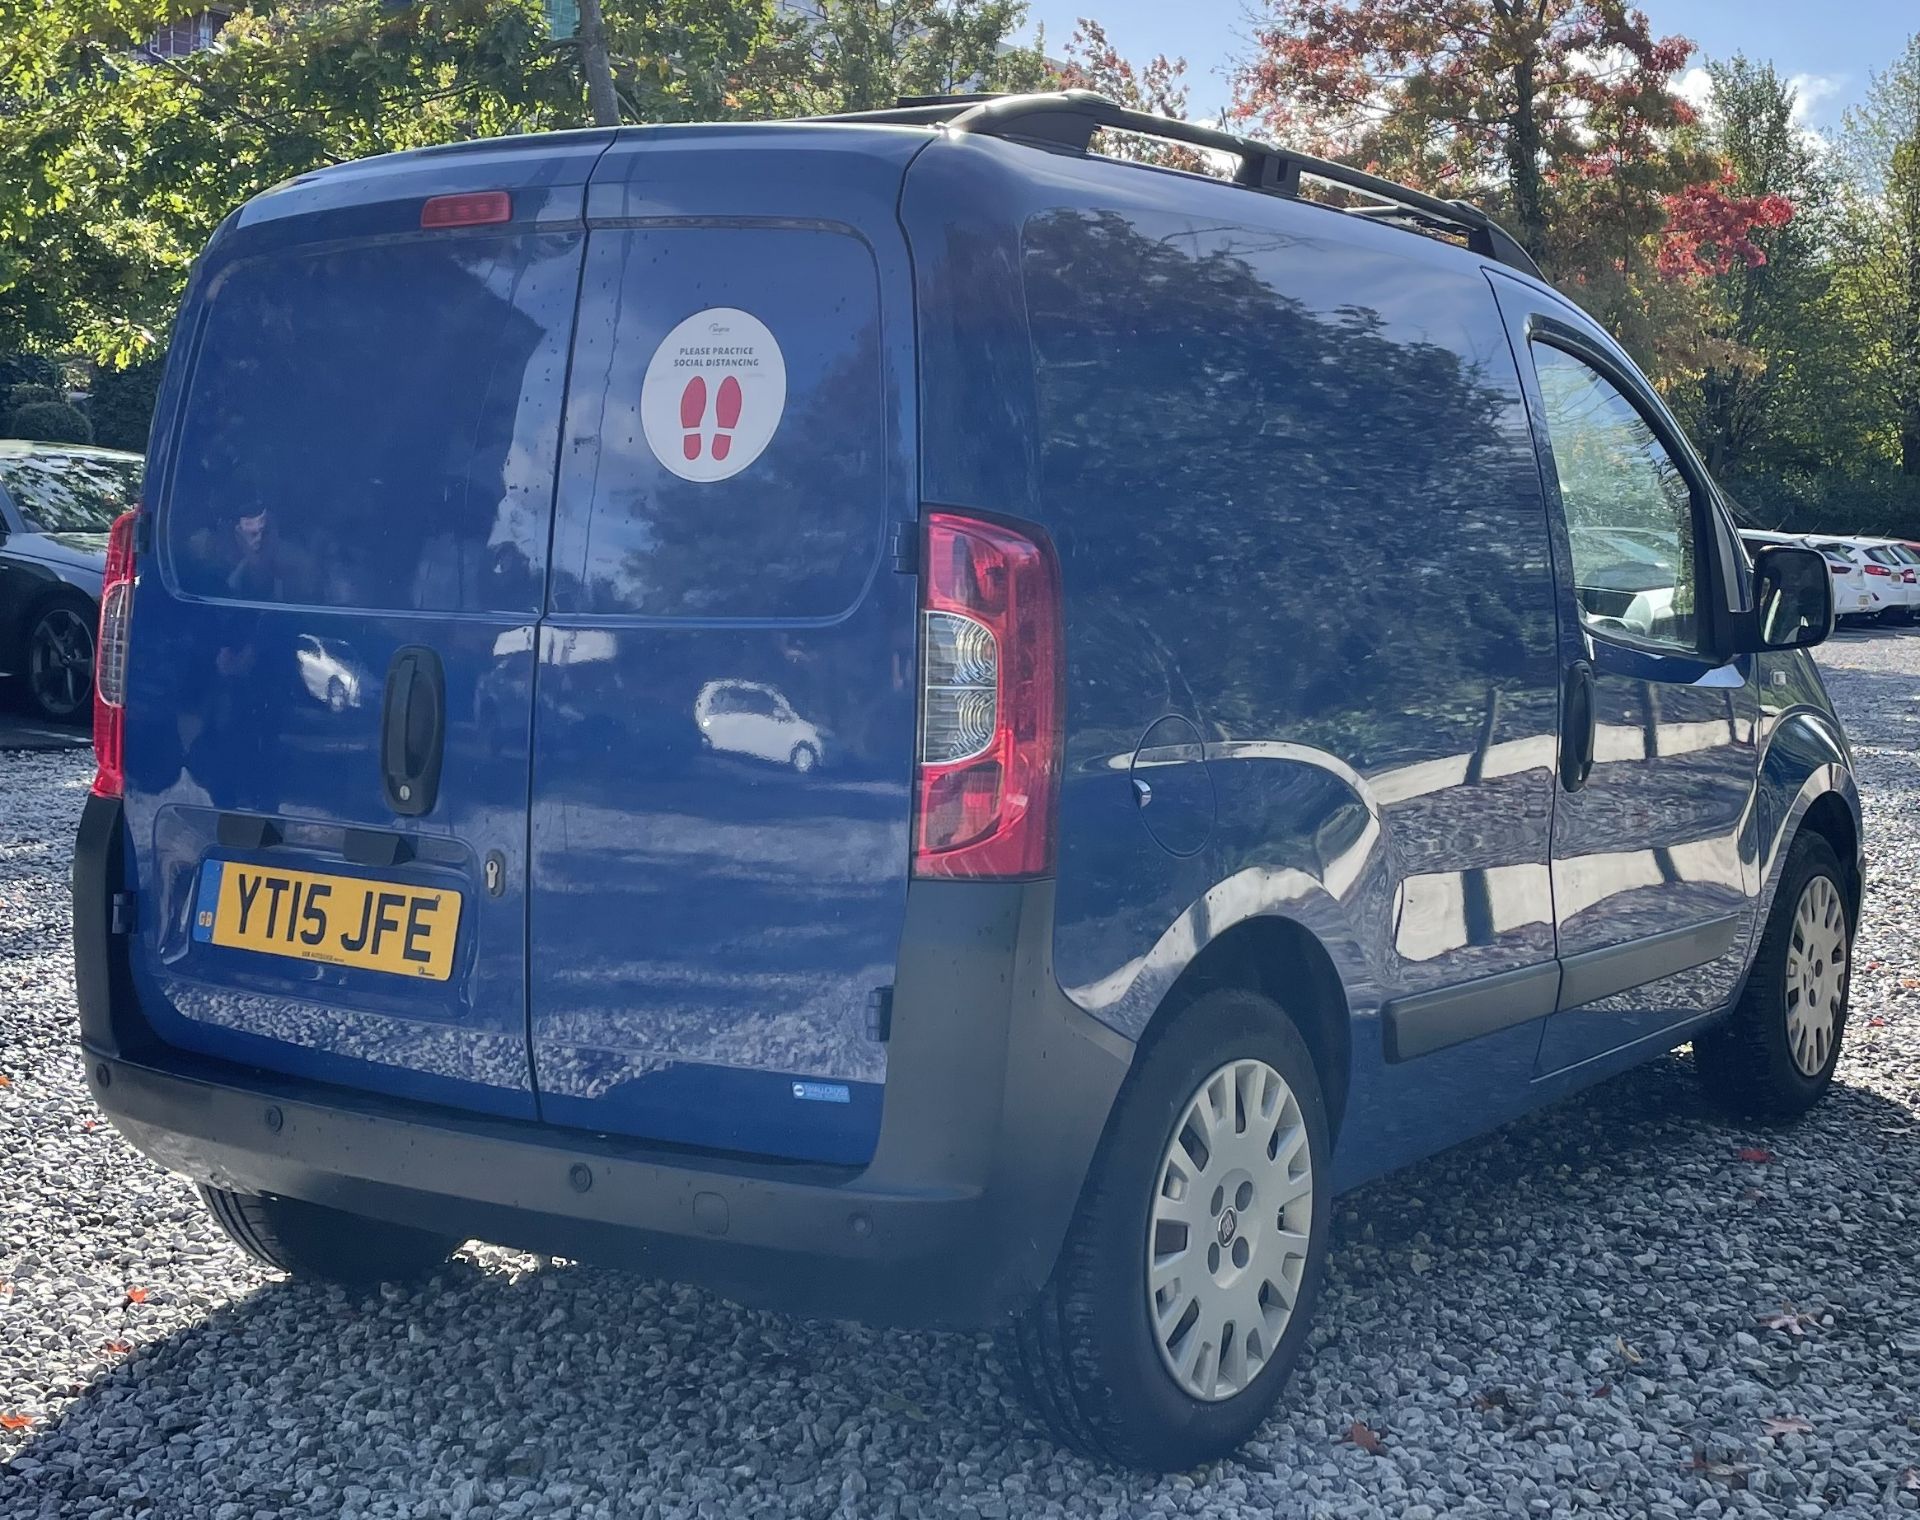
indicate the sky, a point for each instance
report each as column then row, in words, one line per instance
column 1829, row 46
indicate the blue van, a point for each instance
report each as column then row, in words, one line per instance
column 913, row 722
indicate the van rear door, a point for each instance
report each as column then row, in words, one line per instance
column 332, row 640
column 724, row 718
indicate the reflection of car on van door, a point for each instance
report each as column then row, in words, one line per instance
column 1166, row 892
column 328, row 670
column 752, row 718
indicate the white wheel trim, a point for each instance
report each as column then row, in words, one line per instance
column 1816, row 974
column 1229, row 1230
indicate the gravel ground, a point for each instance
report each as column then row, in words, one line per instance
column 1622, row 1306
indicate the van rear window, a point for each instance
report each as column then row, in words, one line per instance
column 374, row 426
column 727, row 436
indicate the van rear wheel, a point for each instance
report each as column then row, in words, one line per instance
column 1182, row 1296
column 309, row 1240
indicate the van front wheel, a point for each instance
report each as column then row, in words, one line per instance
column 309, row 1240
column 1182, row 1296
column 1774, row 1055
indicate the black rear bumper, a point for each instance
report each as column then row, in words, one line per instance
column 998, row 1090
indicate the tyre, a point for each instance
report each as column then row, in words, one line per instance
column 59, row 661
column 1774, row 1055
column 309, row 1240
column 1182, row 1296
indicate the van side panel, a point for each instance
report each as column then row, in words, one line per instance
column 1285, row 460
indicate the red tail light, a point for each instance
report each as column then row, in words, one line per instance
column 1837, row 567
column 481, row 208
column 110, row 662
column 991, row 660
column 1873, row 569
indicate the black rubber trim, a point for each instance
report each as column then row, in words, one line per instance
column 1594, row 974
column 1430, row 1021
column 998, row 1091
column 103, row 984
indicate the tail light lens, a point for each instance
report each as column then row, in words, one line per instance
column 1838, row 568
column 1873, row 569
column 991, row 664
column 110, row 662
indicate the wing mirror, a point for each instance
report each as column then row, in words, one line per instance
column 1792, row 601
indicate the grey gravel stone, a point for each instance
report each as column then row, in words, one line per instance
column 1593, row 1312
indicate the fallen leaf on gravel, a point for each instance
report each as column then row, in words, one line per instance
column 1363, row 1436
column 1755, row 1153
column 117, row 1348
column 1876, row 1022
column 1620, row 1345
column 1604, row 1391
column 5, row 1080
column 1910, row 1479
column 1733, row 1474
column 15, row 1421
column 1491, row 1398
column 136, row 1295
column 1786, row 1425
column 1789, row 1319
column 1910, row 981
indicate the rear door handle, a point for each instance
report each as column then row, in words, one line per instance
column 413, row 731
column 1578, row 726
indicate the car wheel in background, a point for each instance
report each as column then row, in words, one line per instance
column 1182, row 1296
column 59, row 661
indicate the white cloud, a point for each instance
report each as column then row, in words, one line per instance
column 1695, row 87
column 1813, row 94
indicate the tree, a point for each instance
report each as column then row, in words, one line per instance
column 50, row 422
column 121, row 164
column 1467, row 96
column 863, row 55
column 1881, row 144
column 1158, row 88
column 1758, row 242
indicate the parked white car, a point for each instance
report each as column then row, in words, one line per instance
column 1853, row 593
column 1886, row 574
column 752, row 718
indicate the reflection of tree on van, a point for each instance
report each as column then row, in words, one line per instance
column 751, row 718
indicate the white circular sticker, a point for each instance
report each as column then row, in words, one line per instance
column 713, row 394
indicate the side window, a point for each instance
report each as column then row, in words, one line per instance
column 1629, row 509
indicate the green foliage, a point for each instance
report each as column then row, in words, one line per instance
column 121, row 167
column 27, row 369
column 1875, row 502
column 50, row 422
column 862, row 55
column 121, row 405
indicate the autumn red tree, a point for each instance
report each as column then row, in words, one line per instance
column 1480, row 97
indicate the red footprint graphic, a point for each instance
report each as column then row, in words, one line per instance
column 727, row 414
column 693, row 411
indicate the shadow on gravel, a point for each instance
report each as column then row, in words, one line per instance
column 579, row 1384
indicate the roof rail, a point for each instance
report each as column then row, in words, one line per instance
column 1069, row 118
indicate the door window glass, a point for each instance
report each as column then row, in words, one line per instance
column 1629, row 509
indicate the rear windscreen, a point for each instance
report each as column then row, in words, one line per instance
column 71, row 493
column 375, row 425
column 727, row 436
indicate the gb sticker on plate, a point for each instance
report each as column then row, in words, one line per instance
column 713, row 394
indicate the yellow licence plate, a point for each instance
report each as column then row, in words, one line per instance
column 341, row 920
